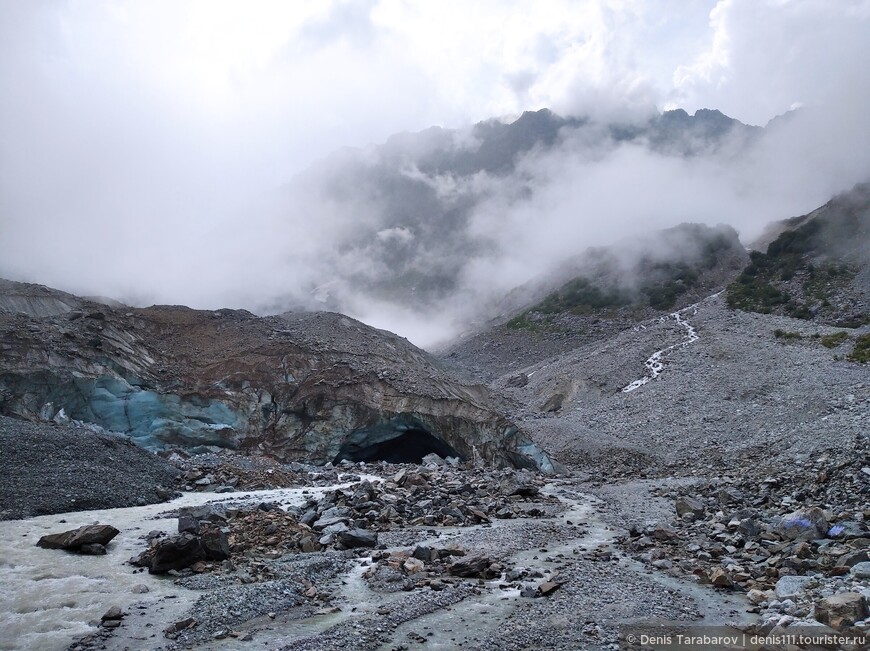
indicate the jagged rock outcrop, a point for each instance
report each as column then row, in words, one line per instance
column 312, row 386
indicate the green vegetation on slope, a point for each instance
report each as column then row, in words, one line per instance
column 802, row 274
column 834, row 340
column 663, row 282
column 861, row 351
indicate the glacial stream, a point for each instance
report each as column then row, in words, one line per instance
column 50, row 596
column 655, row 364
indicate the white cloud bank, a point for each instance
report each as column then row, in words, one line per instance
column 141, row 143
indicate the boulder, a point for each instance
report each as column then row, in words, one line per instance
column 803, row 524
column 789, row 587
column 518, row 381
column 662, row 532
column 190, row 517
column 310, row 544
column 842, row 610
column 471, row 566
column 756, row 596
column 425, row 554
column 215, row 543
column 748, row 528
column 853, row 558
column 413, row 565
column 720, row 578
column 730, row 495
column 547, row 587
column 861, row 570
column 75, row 539
column 519, row 483
column 357, row 538
column 691, row 507
column 180, row 625
column 554, row 403
column 172, row 553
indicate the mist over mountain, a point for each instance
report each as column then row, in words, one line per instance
column 426, row 233
column 403, row 324
column 430, row 230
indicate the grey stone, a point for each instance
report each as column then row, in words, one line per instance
column 691, row 507
column 803, row 524
column 861, row 570
column 215, row 543
column 841, row 610
column 74, row 539
column 357, row 538
column 788, row 587
column 471, row 566
column 518, row 381
column 172, row 553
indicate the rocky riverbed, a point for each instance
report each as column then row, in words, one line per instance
column 438, row 556
column 730, row 488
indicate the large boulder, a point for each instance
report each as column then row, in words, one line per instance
column 172, row 553
column 190, row 518
column 803, row 524
column 689, row 507
column 789, row 587
column 842, row 610
column 76, row 539
column 476, row 565
column 215, row 542
column 520, row 483
column 357, row 538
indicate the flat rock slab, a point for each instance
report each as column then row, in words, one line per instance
column 75, row 539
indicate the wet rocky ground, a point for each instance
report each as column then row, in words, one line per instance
column 444, row 555
column 402, row 557
column 732, row 488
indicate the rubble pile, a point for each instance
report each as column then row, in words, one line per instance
column 797, row 542
column 226, row 471
column 222, row 536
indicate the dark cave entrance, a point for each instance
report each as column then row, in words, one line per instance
column 409, row 447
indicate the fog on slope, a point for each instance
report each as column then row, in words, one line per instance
column 140, row 143
column 425, row 234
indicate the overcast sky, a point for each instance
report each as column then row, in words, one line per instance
column 127, row 127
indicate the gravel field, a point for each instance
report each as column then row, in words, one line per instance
column 47, row 468
column 739, row 426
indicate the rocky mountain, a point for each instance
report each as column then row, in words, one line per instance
column 601, row 292
column 407, row 206
column 316, row 386
column 707, row 410
column 649, row 362
column 817, row 267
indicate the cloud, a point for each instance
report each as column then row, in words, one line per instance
column 765, row 56
column 146, row 148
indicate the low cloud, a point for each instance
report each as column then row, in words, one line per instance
column 165, row 151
